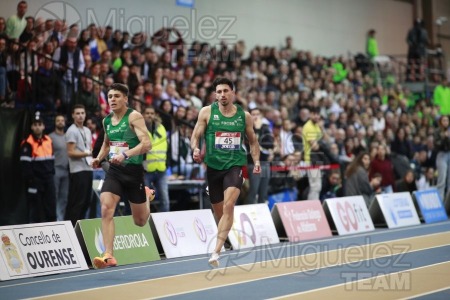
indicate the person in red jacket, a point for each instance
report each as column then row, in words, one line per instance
column 382, row 164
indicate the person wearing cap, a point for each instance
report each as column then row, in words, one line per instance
column 38, row 169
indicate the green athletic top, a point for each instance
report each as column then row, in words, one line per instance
column 224, row 136
column 122, row 137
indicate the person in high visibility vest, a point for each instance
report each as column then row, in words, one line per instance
column 155, row 163
column 38, row 169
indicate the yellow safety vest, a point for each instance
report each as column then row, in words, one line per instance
column 155, row 159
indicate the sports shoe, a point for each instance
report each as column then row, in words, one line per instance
column 103, row 262
column 214, row 260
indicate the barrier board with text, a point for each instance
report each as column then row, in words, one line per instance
column 348, row 214
column 39, row 249
column 430, row 206
column 301, row 220
column 184, row 233
column 252, row 226
column 132, row 244
column 398, row 209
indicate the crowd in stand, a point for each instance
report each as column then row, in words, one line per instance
column 380, row 132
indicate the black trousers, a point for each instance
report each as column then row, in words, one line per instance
column 80, row 194
column 42, row 201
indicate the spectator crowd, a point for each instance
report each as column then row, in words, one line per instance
column 380, row 136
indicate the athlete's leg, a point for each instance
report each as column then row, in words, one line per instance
column 109, row 202
column 226, row 210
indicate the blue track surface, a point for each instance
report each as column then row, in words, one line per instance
column 293, row 282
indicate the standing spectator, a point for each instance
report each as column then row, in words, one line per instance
column 156, row 159
column 357, row 179
column 28, row 34
column 61, row 166
column 3, row 28
column 372, row 45
column 417, row 40
column 382, row 164
column 441, row 97
column 311, row 134
column 79, row 146
column 70, row 64
column 17, row 23
column 259, row 184
column 47, row 86
column 87, row 97
column 442, row 145
column 38, row 169
column 3, row 77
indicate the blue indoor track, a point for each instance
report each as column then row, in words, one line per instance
column 409, row 262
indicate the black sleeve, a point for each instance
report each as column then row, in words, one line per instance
column 266, row 139
column 98, row 143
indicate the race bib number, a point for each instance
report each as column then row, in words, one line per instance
column 228, row 140
column 117, row 148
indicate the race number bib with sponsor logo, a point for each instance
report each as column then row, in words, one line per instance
column 228, row 140
column 117, row 148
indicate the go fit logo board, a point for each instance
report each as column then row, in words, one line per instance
column 185, row 233
column 301, row 220
column 252, row 226
column 132, row 244
column 349, row 214
column 39, row 249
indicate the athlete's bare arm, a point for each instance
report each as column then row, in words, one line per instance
column 253, row 142
column 198, row 132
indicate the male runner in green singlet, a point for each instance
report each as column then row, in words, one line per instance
column 126, row 139
column 224, row 125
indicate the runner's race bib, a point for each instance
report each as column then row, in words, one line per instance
column 116, row 148
column 228, row 140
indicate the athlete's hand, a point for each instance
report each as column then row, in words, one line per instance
column 257, row 168
column 117, row 159
column 197, row 156
column 95, row 163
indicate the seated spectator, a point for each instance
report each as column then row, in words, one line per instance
column 407, row 183
column 332, row 186
column 382, row 164
column 357, row 179
column 427, row 180
column 401, row 145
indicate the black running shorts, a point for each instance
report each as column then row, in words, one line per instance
column 126, row 181
column 220, row 180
